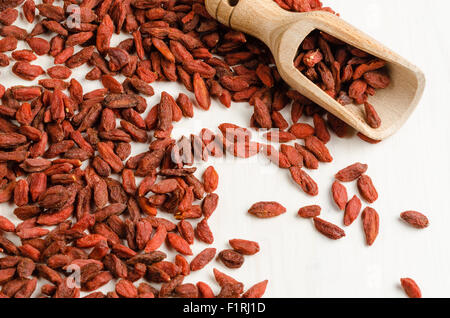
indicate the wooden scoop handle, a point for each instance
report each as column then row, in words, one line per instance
column 258, row 19
column 283, row 32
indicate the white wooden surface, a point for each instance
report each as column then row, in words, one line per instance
column 411, row 171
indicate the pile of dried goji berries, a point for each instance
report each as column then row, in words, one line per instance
column 344, row 72
column 85, row 204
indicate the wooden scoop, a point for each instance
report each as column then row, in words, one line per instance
column 283, row 32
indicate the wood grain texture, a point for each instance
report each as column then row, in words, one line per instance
column 284, row 31
column 410, row 169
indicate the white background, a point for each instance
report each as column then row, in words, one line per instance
column 410, row 170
